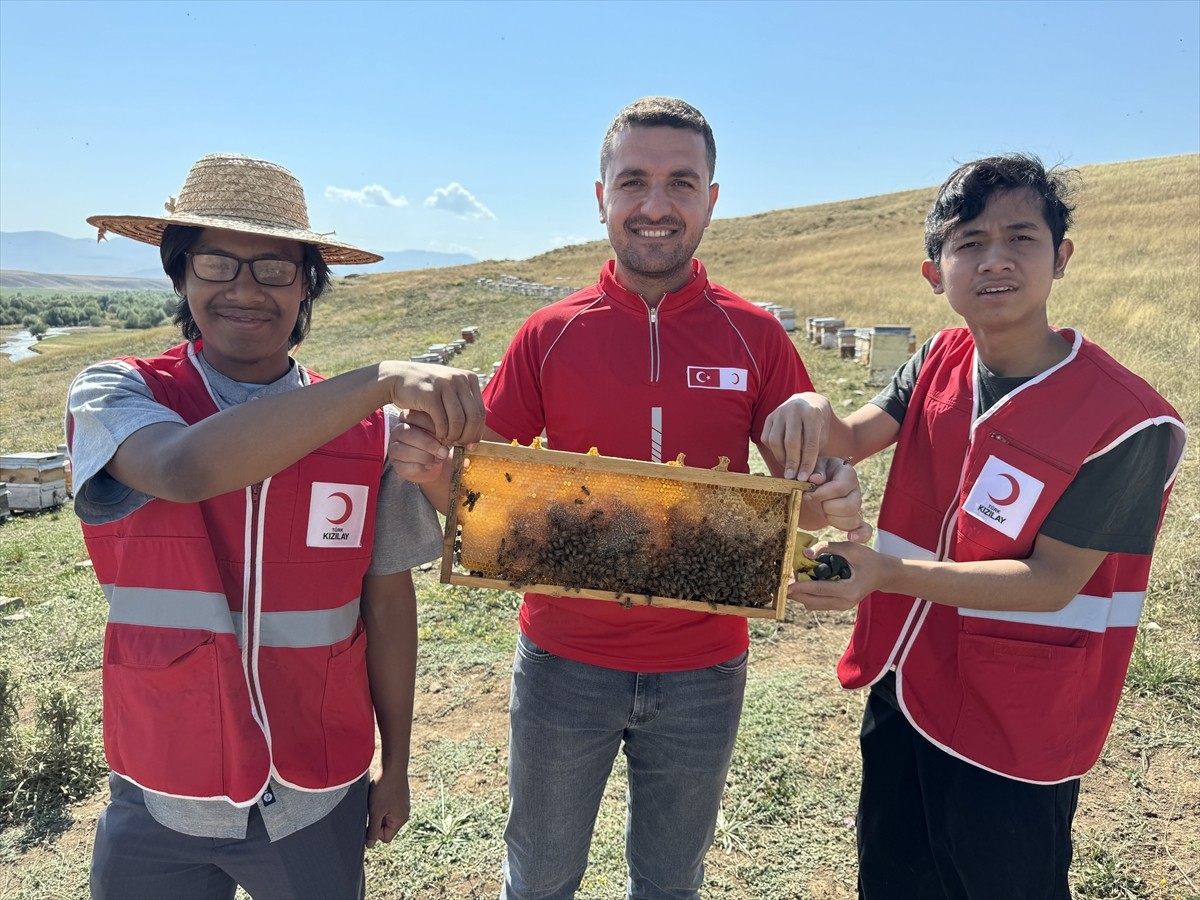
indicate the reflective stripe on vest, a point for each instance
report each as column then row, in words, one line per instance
column 1096, row 614
column 1085, row 612
column 893, row 545
column 204, row 611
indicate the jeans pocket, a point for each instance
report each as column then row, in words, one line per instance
column 735, row 665
column 531, row 651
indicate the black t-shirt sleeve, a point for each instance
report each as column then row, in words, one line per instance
column 1115, row 500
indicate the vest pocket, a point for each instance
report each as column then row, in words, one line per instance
column 162, row 723
column 1021, row 704
column 347, row 714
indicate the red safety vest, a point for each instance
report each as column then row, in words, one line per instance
column 1027, row 695
column 234, row 650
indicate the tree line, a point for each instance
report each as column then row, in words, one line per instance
column 119, row 309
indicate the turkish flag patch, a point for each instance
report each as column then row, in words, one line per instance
column 717, row 378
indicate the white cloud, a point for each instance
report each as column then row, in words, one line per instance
column 452, row 248
column 565, row 240
column 371, row 195
column 457, row 199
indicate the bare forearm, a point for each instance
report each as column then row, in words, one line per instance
column 437, row 491
column 247, row 443
column 1005, row 584
column 389, row 614
column 1050, row 578
column 1047, row 581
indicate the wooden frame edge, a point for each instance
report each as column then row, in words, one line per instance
column 752, row 612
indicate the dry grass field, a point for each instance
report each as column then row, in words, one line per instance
column 1131, row 286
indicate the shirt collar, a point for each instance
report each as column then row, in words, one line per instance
column 229, row 393
column 675, row 300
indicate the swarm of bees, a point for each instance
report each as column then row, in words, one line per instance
column 529, row 525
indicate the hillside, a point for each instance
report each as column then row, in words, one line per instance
column 786, row 830
column 1131, row 285
column 23, row 252
column 16, row 280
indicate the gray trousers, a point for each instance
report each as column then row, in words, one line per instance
column 136, row 858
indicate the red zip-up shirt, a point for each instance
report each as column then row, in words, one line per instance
column 696, row 373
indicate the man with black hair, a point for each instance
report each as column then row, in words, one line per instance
column 1030, row 477
column 249, row 539
column 652, row 361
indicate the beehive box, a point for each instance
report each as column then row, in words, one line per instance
column 890, row 348
column 35, row 480
column 827, row 332
column 862, row 346
column 810, row 326
column 637, row 533
column 816, row 327
column 846, row 342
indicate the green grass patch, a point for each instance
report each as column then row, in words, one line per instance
column 1103, row 875
column 1156, row 669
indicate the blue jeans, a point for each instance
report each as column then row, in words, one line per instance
column 567, row 721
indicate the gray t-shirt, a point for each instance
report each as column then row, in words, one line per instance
column 108, row 402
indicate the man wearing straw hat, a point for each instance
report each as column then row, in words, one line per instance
column 249, row 538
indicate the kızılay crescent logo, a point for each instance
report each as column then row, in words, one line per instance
column 346, row 513
column 1013, row 493
column 1003, row 496
column 336, row 514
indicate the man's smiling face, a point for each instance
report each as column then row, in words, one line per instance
column 656, row 201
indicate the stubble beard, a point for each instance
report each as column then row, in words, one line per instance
column 669, row 267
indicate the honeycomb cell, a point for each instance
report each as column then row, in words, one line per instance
column 573, row 526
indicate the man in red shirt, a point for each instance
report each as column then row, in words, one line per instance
column 652, row 361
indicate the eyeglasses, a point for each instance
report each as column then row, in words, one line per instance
column 225, row 267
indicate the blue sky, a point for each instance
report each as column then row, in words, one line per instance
column 475, row 127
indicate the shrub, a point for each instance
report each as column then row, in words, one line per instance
column 55, row 763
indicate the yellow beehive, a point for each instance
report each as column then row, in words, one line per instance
column 639, row 533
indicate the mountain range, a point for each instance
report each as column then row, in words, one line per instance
column 47, row 253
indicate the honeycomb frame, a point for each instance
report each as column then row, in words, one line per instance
column 616, row 529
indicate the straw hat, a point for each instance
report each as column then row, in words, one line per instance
column 237, row 193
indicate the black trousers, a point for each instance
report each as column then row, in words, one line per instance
column 933, row 827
